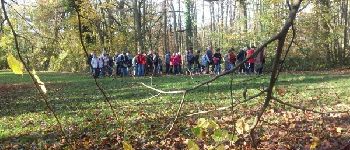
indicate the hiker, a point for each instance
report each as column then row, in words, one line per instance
column 179, row 58
column 141, row 62
column 227, row 62
column 167, row 62
column 94, row 65
column 209, row 54
column 110, row 65
column 205, row 63
column 251, row 60
column 197, row 65
column 116, row 64
column 217, row 61
column 149, row 61
column 189, row 60
column 134, row 66
column 100, row 66
column 232, row 58
column 260, row 61
column 177, row 64
column 155, row 62
column 160, row 65
column 123, row 63
column 129, row 62
column 105, row 59
column 172, row 59
column 240, row 58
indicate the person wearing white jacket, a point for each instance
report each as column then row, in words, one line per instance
column 100, row 65
column 94, row 65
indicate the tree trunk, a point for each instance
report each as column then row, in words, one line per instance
column 176, row 39
column 346, row 26
column 137, row 22
column 189, row 31
column 165, row 36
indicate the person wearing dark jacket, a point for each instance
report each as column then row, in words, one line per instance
column 240, row 57
column 197, row 65
column 217, row 61
column 167, row 62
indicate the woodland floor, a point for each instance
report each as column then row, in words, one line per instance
column 143, row 119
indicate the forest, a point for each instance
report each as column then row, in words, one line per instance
column 53, row 95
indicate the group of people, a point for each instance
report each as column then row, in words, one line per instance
column 124, row 64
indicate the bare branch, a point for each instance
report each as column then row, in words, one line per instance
column 35, row 81
column 87, row 56
column 161, row 91
column 227, row 107
column 178, row 112
column 306, row 109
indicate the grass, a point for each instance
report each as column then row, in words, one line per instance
column 81, row 107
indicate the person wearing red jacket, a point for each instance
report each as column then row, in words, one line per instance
column 141, row 62
column 177, row 60
column 172, row 59
column 251, row 60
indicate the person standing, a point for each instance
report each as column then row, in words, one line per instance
column 177, row 60
column 205, row 63
column 100, row 66
column 94, row 66
column 172, row 59
column 240, row 57
column 149, row 61
column 155, row 64
column 197, row 66
column 217, row 61
column 123, row 62
column 209, row 54
column 260, row 61
column 189, row 60
column 167, row 62
column 141, row 62
column 251, row 60
column 232, row 58
column 134, row 66
column 116, row 63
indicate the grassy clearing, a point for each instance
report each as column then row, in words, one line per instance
column 82, row 109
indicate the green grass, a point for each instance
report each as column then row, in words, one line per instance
column 82, row 109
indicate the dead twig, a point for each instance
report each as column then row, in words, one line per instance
column 26, row 67
column 227, row 107
column 161, row 91
column 306, row 109
column 177, row 113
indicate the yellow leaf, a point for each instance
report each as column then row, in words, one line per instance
column 41, row 84
column 202, row 123
column 191, row 145
column 213, row 124
column 127, row 146
column 314, row 143
column 15, row 65
column 339, row 129
column 241, row 126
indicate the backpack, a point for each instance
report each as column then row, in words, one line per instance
column 124, row 61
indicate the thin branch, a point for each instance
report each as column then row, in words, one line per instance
column 87, row 56
column 228, row 107
column 276, row 64
column 161, row 91
column 178, row 112
column 301, row 9
column 36, row 83
column 30, row 25
column 306, row 109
